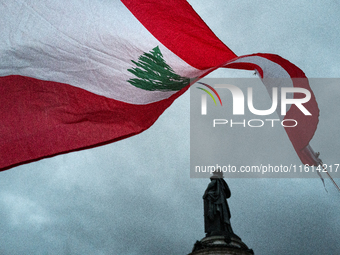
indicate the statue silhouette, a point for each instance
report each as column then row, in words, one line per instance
column 216, row 209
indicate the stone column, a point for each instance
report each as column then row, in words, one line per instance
column 219, row 245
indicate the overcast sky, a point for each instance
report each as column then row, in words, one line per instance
column 135, row 197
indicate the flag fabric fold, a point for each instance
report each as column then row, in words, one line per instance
column 71, row 80
column 276, row 71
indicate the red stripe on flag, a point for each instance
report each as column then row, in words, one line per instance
column 41, row 119
column 178, row 27
column 307, row 124
column 300, row 135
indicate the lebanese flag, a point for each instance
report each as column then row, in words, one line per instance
column 278, row 72
column 76, row 75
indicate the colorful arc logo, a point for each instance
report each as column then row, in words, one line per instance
column 209, row 93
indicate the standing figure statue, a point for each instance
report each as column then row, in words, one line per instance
column 216, row 209
column 220, row 237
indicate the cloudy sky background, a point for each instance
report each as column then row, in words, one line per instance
column 135, row 197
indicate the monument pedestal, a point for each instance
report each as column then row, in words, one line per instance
column 221, row 245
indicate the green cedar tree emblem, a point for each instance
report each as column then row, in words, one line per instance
column 153, row 73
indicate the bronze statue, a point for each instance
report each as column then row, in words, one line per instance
column 216, row 209
column 220, row 237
